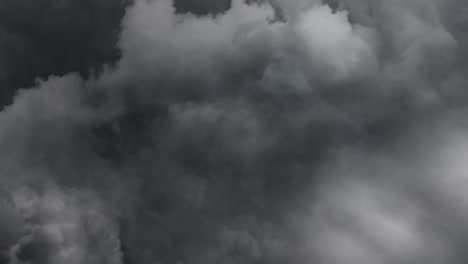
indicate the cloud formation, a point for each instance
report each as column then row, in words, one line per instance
column 47, row 37
column 234, row 132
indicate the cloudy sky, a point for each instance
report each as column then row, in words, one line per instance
column 233, row 132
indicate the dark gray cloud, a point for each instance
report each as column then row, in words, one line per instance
column 202, row 7
column 236, row 132
column 43, row 38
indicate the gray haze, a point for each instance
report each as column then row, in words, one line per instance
column 198, row 132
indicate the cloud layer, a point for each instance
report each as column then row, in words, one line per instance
column 234, row 132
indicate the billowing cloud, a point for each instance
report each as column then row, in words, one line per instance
column 233, row 132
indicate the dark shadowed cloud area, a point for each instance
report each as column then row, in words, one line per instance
column 233, row 132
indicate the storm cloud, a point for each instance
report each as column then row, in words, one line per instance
column 299, row 131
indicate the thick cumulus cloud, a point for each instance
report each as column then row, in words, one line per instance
column 235, row 132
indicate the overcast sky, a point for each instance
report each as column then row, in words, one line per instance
column 233, row 132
